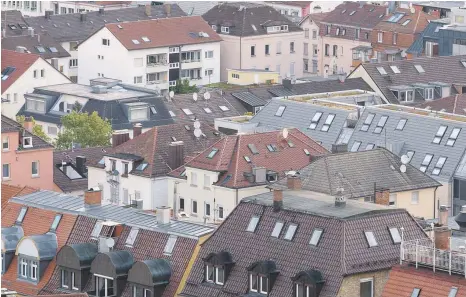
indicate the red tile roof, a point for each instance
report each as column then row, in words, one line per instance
column 403, row 279
column 419, row 21
column 454, row 104
column 302, row 4
column 365, row 16
column 21, row 61
column 229, row 159
column 163, row 32
column 9, row 191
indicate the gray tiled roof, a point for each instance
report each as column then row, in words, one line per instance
column 195, row 7
column 321, row 87
column 69, row 27
column 446, row 69
column 429, row 33
column 12, row 17
column 417, row 136
column 299, row 115
column 249, row 98
column 357, row 172
column 9, row 125
column 31, row 44
column 341, row 251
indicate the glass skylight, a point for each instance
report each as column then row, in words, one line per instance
column 370, row 238
column 367, row 122
column 135, row 41
column 395, row 235
column 315, row 237
column 406, row 22
column 53, row 49
column 290, row 232
column 142, row 166
column 187, row 111
column 277, row 229
column 253, row 149
column 453, row 136
column 315, row 120
column 306, row 152
column 145, row 39
column 419, row 68
column 280, row 111
column 55, row 222
column 453, row 292
column 439, row 135
column 439, row 165
column 41, row 49
column 328, row 122
column 21, row 215
column 224, row 108
column 153, row 110
column 355, row 146
column 370, row 146
column 247, row 159
column 172, row 114
column 253, row 224
column 132, row 236
column 97, row 228
column 212, row 153
column 381, row 70
column 415, row 292
column 207, row 110
column 401, row 124
column 395, row 69
column 170, row 244
column 426, row 162
column 378, row 129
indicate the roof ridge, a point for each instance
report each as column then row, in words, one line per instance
column 455, row 102
column 154, row 147
column 237, row 146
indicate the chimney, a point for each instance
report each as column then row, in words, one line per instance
column 20, row 49
column 119, row 138
column 168, row 9
column 442, row 238
column 339, row 148
column 48, row 13
column 342, row 77
column 293, row 182
column 163, row 215
column 83, row 16
column 28, row 124
column 175, row 154
column 93, row 196
column 101, row 11
column 460, row 219
column 38, row 38
column 81, row 164
column 277, row 200
column 340, row 198
column 148, row 10
column 137, row 130
column 391, row 6
column 287, row 83
column 443, row 215
column 382, row 196
column 4, row 33
column 54, row 62
column 31, row 31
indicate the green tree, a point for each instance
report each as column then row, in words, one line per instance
column 89, row 130
column 183, row 87
column 36, row 129
column 77, row 106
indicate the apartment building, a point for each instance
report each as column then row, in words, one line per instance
column 154, row 54
column 257, row 36
column 27, row 8
column 312, row 44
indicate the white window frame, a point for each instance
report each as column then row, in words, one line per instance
column 261, row 279
column 222, row 212
column 207, row 270
column 380, row 37
column 5, row 140
column 37, row 169
column 62, row 276
column 209, row 54
column 205, row 209
column 9, row 171
column 429, row 93
column 34, row 270
column 250, row 283
column 371, row 280
column 225, row 30
column 24, row 268
column 415, row 194
column 106, row 279
column 30, row 142
column 73, row 287
column 216, row 276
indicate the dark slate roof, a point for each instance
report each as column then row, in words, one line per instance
column 9, row 125
column 160, row 270
column 342, row 250
column 240, row 17
column 31, row 44
column 15, row 18
column 330, row 172
column 85, row 252
column 362, row 18
column 249, row 98
column 69, row 27
column 446, row 69
column 429, row 33
column 417, row 136
column 10, row 238
column 92, row 154
column 46, row 245
column 121, row 260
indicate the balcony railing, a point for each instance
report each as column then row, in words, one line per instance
column 174, row 65
column 156, row 82
column 159, row 63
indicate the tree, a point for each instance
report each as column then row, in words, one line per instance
column 183, row 87
column 77, row 106
column 88, row 130
column 36, row 129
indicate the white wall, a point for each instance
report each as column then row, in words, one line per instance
column 26, row 84
column 42, row 6
column 210, row 63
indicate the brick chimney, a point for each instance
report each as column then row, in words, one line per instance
column 277, row 200
column 28, row 124
column 137, row 130
column 93, row 196
column 293, row 182
column 443, row 215
column 119, row 138
column 148, row 10
column 382, row 196
column 442, row 238
column 176, row 154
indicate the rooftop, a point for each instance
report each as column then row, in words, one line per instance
column 9, row 125
column 39, row 44
column 403, row 21
column 455, row 104
column 364, row 16
column 14, row 65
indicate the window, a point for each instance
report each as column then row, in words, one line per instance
column 193, row 179
column 381, row 124
column 252, row 224
column 439, row 135
column 280, row 111
column 327, row 50
column 97, row 228
column 366, row 287
column 329, row 28
column 220, row 212
column 207, row 110
column 395, row 37
column 225, row 29
column 315, row 236
column 290, row 232
column 315, row 120
column 314, row 34
column 355, row 146
column 138, row 79
column 337, row 31
column 335, row 50
column 212, row 153
column 133, row 233
column 170, row 244
column 6, row 171
column 207, row 183
column 207, row 210
column 392, row 199
column 415, row 292
column 55, row 222
column 453, row 292
column 306, row 33
column 258, row 283
column 253, row 149
column 366, row 35
column 208, row 72
column 419, row 68
column 415, row 197
column 429, row 93
column 35, row 168
column 367, row 122
column 453, row 136
column 406, row 22
column 5, row 143
column 209, row 273
column 73, row 45
column 371, row 241
column 64, row 278
column 328, row 122
column 104, row 286
column 380, row 37
column 21, row 215
column 291, row 47
column 23, row 268
column 267, row 49
column 73, row 63
column 395, row 69
column 277, row 229
column 172, row 114
column 279, row 47
column 395, row 235
column 426, row 162
column 194, row 207
column 370, row 146
column 105, row 42
column 401, row 124
column 224, row 108
column 439, row 165
column 253, row 50
column 357, row 33
column 234, row 75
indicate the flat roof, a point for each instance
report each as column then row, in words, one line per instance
column 423, row 112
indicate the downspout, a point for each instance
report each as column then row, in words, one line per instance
column 236, row 197
column 435, row 200
column 240, row 51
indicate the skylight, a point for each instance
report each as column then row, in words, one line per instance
column 21, row 215
column 415, row 292
column 315, row 120
column 395, row 69
column 132, row 236
column 55, row 222
column 96, row 231
column 53, row 49
column 145, row 39
column 353, row 12
column 370, row 146
column 463, row 62
column 290, row 144
column 439, row 166
column 253, row 224
column 306, row 152
column 453, row 292
column 439, row 135
column 367, row 122
column 172, row 114
column 7, row 71
column 277, row 229
column 224, row 108
column 419, row 68
column 247, row 159
column 395, row 235
column 272, row 147
column 280, row 111
column 315, row 237
column 41, row 49
column 370, row 238
column 142, row 166
column 426, row 162
column 187, row 111
column 212, row 153
column 290, row 232
column 401, row 124
column 395, row 18
column 381, row 70
column 187, row 127
column 207, row 110
column 253, row 149
column 153, row 110
column 378, row 129
column 406, row 22
column 135, row 41
column 328, row 122
column 453, row 136
column 119, row 27
column 343, row 11
column 410, row 154
column 173, row 138
column 170, row 245
column 355, row 146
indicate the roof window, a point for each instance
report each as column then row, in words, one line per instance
column 381, row 124
column 135, row 41
column 370, row 238
column 367, row 122
column 381, row 70
column 290, row 144
column 382, row 15
column 280, row 111
column 453, row 136
column 306, row 151
column 119, row 27
column 170, row 245
column 187, row 111
column 96, row 231
column 183, row 173
column 224, row 108
column 439, row 165
column 453, row 292
column 355, row 146
column 406, row 22
column 315, row 236
column 290, row 232
column 12, row 26
column 133, row 233
column 419, row 68
column 272, row 148
column 353, row 12
column 247, row 159
column 370, row 146
column 343, row 11
column 142, row 166
column 315, row 120
column 212, row 153
column 395, row 233
column 328, row 122
column 21, row 215
column 153, row 110
column 207, row 110
column 253, row 224
column 40, row 49
column 463, row 62
column 53, row 49
column 173, row 138
column 395, row 69
column 439, row 135
column 410, row 154
column 253, row 149
column 401, row 124
column 172, row 114
column 415, row 292
column 55, row 222
column 277, row 229
column 187, row 127
column 145, row 39
column 426, row 162
column 7, row 71
column 395, row 17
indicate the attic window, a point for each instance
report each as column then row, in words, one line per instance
column 173, row 138
column 290, row 232
column 253, row 224
column 463, row 62
column 395, row 235
column 355, row 146
column 370, row 146
column 183, row 173
column 439, row 135
column 419, row 68
column 353, row 12
column 207, row 110
column 315, row 120
column 53, row 49
column 415, row 292
column 187, row 128
column 253, row 149
column 212, row 153
column 396, row 17
column 172, row 114
column 453, row 136
column 280, row 111
column 96, row 231
column 328, row 122
column 406, row 22
column 381, row 70
column 277, row 229
column 439, row 166
column 40, row 49
column 343, row 11
column 153, row 110
column 170, row 245
column 55, row 222
column 453, row 292
column 187, row 111
column 135, row 41
column 272, row 148
column 142, row 166
column 119, row 27
column 224, row 108
column 133, row 233
column 225, row 29
column 395, row 69
column 145, row 39
column 12, row 26
column 102, row 161
column 7, row 71
column 21, row 215
column 426, row 162
column 410, row 154
column 290, row 144
column 247, row 159
column 370, row 238
column 383, row 120
column 306, row 152
column 315, row 237
column 401, row 124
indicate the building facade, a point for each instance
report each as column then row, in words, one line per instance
column 312, row 44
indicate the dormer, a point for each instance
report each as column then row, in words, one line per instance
column 149, row 277
column 136, row 111
column 10, row 238
column 307, row 283
column 262, row 276
column 218, row 267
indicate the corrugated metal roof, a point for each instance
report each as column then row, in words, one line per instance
column 249, row 98
column 128, row 216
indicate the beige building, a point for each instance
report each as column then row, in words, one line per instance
column 312, row 43
column 244, row 77
column 256, row 36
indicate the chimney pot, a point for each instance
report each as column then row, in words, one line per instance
column 277, row 200
column 443, row 215
column 294, row 182
column 382, row 196
column 175, row 154
column 442, row 238
column 93, row 196
column 28, row 124
column 137, row 130
column 163, row 215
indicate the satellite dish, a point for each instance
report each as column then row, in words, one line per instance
column 207, row 95
column 412, row 9
column 171, row 94
column 403, row 54
column 197, row 124
column 285, row 133
column 403, row 168
column 404, row 159
column 195, row 96
column 110, row 242
column 197, row 133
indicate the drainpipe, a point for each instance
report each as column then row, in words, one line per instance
column 236, row 198
column 240, row 52
column 435, row 200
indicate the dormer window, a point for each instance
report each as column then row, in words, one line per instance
column 215, row 275
column 27, row 142
column 225, row 30
column 262, row 276
column 35, row 105
column 308, row 283
column 149, row 278
column 218, row 267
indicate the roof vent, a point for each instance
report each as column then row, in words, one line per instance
column 460, row 219
column 340, row 198
column 98, row 89
column 83, row 16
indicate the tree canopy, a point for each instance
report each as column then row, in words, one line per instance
column 183, row 87
column 36, row 129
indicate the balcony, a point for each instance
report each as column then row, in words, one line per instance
column 156, row 78
column 191, row 60
column 155, row 61
column 192, row 74
column 174, row 65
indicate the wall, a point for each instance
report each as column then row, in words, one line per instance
column 251, row 77
column 426, row 205
column 446, row 39
column 72, row 71
column 210, row 63
column 26, row 84
column 70, row 101
column 21, row 165
column 350, row 287
column 312, row 26
column 231, row 55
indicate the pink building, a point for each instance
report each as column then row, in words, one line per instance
column 27, row 160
